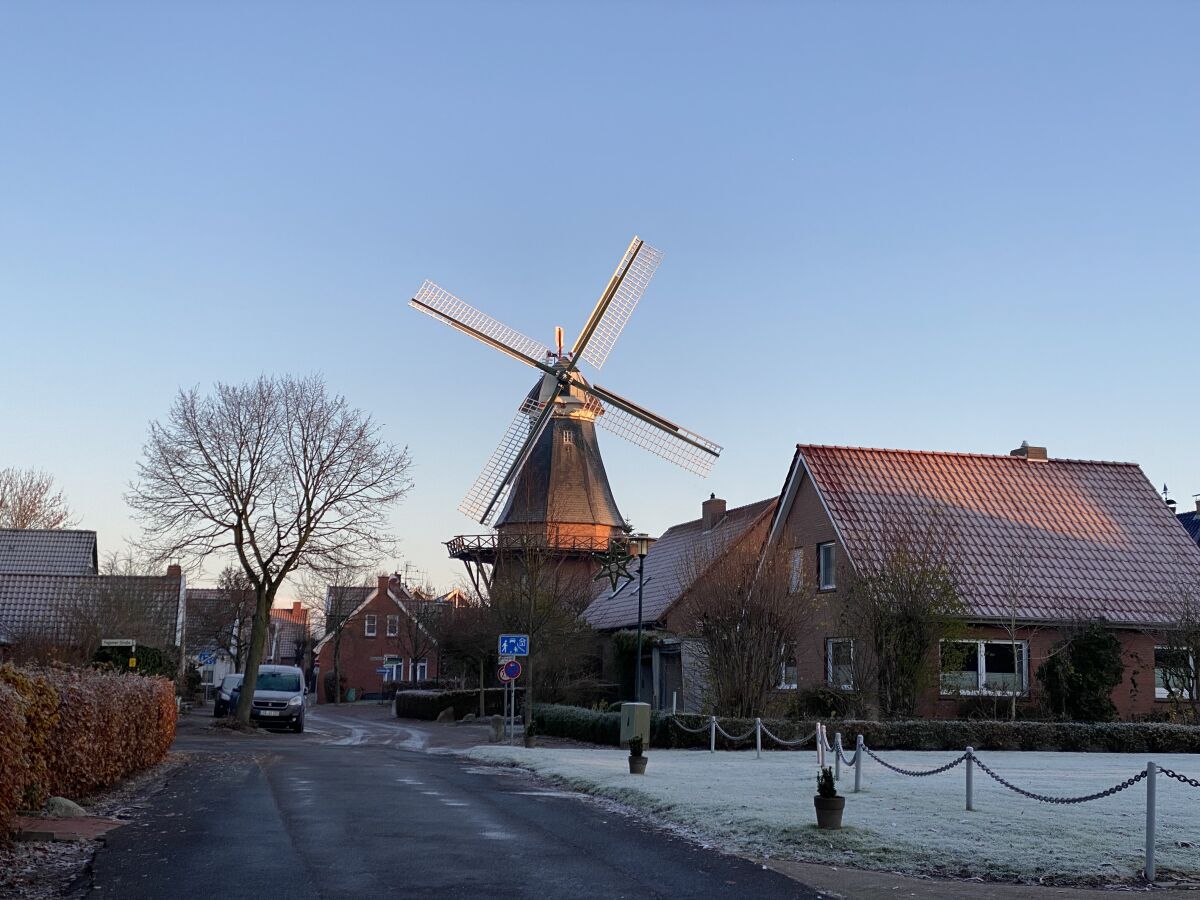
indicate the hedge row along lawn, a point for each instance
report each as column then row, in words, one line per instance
column 71, row 732
column 932, row 734
column 429, row 704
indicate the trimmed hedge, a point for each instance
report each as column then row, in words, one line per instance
column 71, row 732
column 429, row 704
column 920, row 734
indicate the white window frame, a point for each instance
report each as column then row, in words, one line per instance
column 829, row 642
column 827, row 573
column 393, row 620
column 981, row 669
column 796, row 570
column 784, row 683
column 370, row 624
column 396, row 672
column 422, row 665
column 1163, row 693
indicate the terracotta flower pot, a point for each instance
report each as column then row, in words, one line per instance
column 637, row 765
column 829, row 811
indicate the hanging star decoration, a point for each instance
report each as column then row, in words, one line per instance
column 614, row 565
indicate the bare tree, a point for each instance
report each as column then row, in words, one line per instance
column 748, row 616
column 1177, row 649
column 331, row 595
column 278, row 472
column 466, row 636
column 542, row 592
column 225, row 622
column 29, row 499
column 903, row 602
column 419, row 626
column 133, row 599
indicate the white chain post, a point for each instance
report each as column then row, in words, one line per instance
column 758, row 738
column 970, row 779
column 712, row 734
column 1151, row 772
column 837, row 756
column 858, row 759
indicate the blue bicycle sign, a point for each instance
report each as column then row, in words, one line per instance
column 514, row 645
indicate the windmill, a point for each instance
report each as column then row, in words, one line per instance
column 550, row 446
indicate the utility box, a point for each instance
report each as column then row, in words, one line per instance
column 635, row 722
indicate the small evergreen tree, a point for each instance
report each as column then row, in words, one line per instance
column 1081, row 674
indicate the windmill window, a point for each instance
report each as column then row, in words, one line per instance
column 568, row 439
column 369, row 623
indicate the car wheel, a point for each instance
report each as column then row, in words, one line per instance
column 217, row 711
column 299, row 726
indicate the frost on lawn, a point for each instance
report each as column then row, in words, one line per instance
column 901, row 823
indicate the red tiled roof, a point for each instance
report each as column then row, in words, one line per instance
column 1094, row 538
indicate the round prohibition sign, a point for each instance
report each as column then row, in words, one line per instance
column 510, row 671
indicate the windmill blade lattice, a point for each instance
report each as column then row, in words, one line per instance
column 487, row 493
column 624, row 301
column 649, row 431
column 440, row 304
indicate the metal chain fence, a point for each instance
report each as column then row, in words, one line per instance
column 796, row 743
column 912, row 772
column 1044, row 798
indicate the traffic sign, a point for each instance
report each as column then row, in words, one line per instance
column 510, row 671
column 206, row 657
column 514, row 645
column 381, row 671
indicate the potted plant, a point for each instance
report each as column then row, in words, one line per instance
column 637, row 762
column 829, row 805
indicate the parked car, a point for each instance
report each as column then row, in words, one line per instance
column 221, row 705
column 278, row 697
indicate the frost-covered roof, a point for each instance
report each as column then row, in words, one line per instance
column 1094, row 538
column 47, row 551
column 667, row 566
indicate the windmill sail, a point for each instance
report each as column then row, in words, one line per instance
column 440, row 304
column 635, row 270
column 652, row 432
column 487, row 493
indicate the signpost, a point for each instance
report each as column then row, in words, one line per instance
column 514, row 645
column 123, row 642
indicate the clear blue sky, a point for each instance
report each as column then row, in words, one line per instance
column 918, row 225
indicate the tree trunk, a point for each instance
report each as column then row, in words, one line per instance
column 258, row 642
column 482, row 705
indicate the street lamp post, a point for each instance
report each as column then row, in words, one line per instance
column 639, row 546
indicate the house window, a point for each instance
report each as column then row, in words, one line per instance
column 369, row 624
column 985, row 667
column 1174, row 673
column 393, row 626
column 206, row 675
column 839, row 663
column 826, row 564
column 395, row 672
column 422, row 668
column 788, row 674
column 796, row 570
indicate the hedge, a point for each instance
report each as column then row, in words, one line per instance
column 71, row 732
column 922, row 734
column 429, row 704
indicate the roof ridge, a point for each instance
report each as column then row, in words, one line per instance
column 956, row 453
column 50, row 530
column 728, row 513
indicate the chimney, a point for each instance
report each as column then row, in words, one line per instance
column 382, row 587
column 1196, row 497
column 1033, row 454
column 712, row 511
column 174, row 571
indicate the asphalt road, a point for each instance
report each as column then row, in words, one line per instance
column 353, row 809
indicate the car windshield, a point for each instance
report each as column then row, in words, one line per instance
column 278, row 681
column 231, row 681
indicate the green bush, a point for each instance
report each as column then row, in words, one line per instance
column 429, row 704
column 919, row 734
column 1081, row 674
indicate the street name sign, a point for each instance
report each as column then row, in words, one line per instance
column 118, row 642
column 514, row 645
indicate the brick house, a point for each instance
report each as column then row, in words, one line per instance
column 384, row 630
column 1094, row 540
column 287, row 643
column 1191, row 521
column 669, row 673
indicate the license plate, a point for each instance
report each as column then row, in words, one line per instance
column 269, row 712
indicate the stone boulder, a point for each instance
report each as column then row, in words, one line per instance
column 62, row 808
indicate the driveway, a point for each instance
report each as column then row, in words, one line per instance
column 361, row 805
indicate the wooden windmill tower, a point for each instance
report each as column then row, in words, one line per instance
column 546, row 480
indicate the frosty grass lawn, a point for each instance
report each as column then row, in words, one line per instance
column 764, row 807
